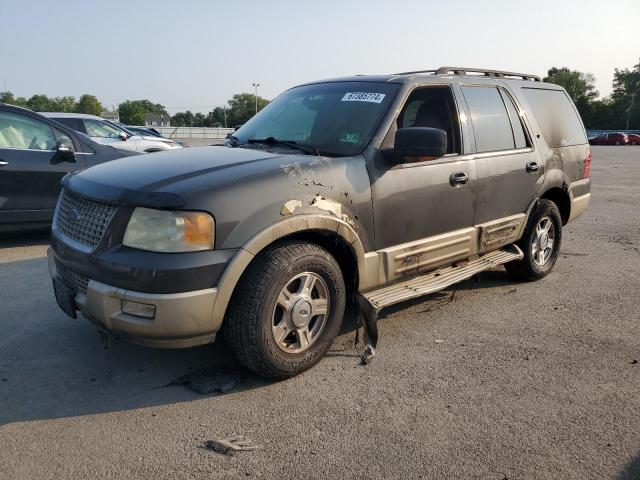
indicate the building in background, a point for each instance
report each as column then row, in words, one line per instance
column 157, row 120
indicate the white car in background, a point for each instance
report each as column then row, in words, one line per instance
column 108, row 133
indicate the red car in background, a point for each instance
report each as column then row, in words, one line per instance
column 633, row 139
column 610, row 139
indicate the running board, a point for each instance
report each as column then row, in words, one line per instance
column 439, row 279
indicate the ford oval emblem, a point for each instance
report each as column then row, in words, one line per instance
column 74, row 215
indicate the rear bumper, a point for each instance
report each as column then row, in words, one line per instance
column 181, row 319
column 579, row 205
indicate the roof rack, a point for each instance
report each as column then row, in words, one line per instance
column 483, row 71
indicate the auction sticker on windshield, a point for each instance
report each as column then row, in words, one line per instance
column 363, row 97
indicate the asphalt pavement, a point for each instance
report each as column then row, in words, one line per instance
column 490, row 379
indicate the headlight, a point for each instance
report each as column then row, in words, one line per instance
column 164, row 231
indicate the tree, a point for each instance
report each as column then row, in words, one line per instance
column 626, row 97
column 64, row 104
column 132, row 111
column 218, row 117
column 580, row 86
column 40, row 103
column 183, row 119
column 8, row 97
column 89, row 104
column 242, row 107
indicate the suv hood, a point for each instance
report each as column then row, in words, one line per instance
column 165, row 179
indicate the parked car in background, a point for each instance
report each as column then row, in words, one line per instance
column 633, row 139
column 35, row 153
column 108, row 133
column 150, row 132
column 376, row 188
column 617, row 138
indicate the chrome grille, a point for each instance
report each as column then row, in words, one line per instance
column 74, row 280
column 82, row 221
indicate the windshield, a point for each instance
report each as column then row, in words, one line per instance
column 337, row 118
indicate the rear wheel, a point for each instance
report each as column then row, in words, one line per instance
column 286, row 310
column 540, row 243
column 617, row 142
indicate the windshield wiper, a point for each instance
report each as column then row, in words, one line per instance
column 286, row 143
column 234, row 141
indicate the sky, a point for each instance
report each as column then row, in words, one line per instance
column 195, row 54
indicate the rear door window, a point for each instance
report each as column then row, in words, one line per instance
column 557, row 117
column 489, row 117
column 517, row 126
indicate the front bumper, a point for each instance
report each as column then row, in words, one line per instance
column 181, row 319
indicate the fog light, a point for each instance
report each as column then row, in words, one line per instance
column 138, row 309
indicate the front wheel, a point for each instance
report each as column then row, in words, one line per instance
column 286, row 309
column 540, row 243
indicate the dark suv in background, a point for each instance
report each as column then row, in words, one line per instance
column 376, row 188
column 35, row 153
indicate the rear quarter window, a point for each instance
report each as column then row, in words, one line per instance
column 556, row 116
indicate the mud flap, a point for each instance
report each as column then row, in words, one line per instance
column 368, row 316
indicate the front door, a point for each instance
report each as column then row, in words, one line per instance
column 29, row 173
column 424, row 210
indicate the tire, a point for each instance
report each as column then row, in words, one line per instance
column 256, row 315
column 633, row 142
column 617, row 142
column 538, row 262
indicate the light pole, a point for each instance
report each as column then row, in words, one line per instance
column 256, row 85
column 633, row 97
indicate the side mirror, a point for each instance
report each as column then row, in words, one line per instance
column 419, row 142
column 65, row 151
column 123, row 136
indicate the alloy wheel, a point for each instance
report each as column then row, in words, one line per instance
column 543, row 241
column 300, row 313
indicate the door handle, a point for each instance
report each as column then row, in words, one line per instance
column 457, row 179
column 532, row 167
column 3, row 163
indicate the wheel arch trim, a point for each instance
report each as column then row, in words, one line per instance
column 284, row 228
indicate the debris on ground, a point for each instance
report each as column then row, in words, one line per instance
column 217, row 380
column 438, row 340
column 230, row 445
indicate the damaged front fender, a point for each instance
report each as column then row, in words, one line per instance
column 304, row 222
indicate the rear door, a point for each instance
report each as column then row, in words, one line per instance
column 30, row 174
column 509, row 171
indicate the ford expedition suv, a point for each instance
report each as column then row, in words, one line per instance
column 372, row 188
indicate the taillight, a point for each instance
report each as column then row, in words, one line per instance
column 587, row 165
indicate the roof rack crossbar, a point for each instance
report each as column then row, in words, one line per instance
column 488, row 73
